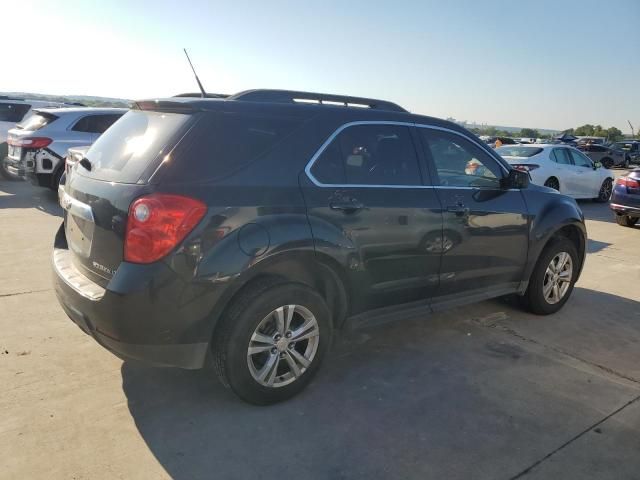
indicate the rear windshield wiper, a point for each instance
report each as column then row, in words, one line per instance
column 85, row 163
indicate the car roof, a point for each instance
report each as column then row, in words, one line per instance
column 352, row 108
column 89, row 110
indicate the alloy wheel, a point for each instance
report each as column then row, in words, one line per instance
column 605, row 190
column 557, row 278
column 283, row 346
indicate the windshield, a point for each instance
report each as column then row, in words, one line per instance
column 131, row 144
column 518, row 151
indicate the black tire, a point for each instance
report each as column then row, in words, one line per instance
column 240, row 321
column 627, row 162
column 607, row 163
column 5, row 173
column 605, row 191
column 534, row 299
column 55, row 179
column 626, row 220
column 552, row 182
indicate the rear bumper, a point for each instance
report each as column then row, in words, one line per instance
column 138, row 320
column 625, row 209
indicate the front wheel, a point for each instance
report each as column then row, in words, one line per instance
column 553, row 277
column 626, row 220
column 607, row 163
column 605, row 191
column 272, row 341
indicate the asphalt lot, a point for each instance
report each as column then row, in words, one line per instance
column 483, row 392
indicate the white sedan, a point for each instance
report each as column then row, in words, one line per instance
column 561, row 167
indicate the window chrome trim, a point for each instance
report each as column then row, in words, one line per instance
column 337, row 132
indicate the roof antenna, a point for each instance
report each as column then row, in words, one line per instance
column 203, row 93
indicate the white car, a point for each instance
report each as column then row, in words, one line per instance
column 561, row 167
column 12, row 111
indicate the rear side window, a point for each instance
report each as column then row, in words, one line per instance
column 37, row 121
column 561, row 156
column 124, row 152
column 221, row 143
column 13, row 112
column 369, row 155
column 95, row 123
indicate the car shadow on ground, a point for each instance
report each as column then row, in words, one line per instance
column 20, row 194
column 431, row 397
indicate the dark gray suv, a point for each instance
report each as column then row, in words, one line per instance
column 246, row 232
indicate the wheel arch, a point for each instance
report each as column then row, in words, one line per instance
column 322, row 274
column 561, row 217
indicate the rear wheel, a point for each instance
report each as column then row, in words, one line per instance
column 626, row 220
column 627, row 162
column 553, row 277
column 4, row 172
column 552, row 182
column 605, row 191
column 607, row 163
column 272, row 341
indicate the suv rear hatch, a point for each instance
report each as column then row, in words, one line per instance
column 114, row 172
column 23, row 140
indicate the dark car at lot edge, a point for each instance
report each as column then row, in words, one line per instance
column 247, row 232
column 625, row 199
column 608, row 155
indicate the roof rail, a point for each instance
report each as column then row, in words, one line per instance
column 290, row 96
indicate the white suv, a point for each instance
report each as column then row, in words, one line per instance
column 12, row 111
column 37, row 146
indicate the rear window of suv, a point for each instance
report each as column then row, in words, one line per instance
column 132, row 144
column 37, row 121
column 222, row 143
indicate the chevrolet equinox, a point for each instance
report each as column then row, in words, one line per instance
column 243, row 232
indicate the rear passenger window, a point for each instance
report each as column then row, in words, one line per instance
column 95, row 123
column 369, row 155
column 561, row 156
column 220, row 144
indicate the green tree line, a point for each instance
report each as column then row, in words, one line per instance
column 612, row 133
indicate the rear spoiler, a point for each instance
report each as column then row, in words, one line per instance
column 167, row 106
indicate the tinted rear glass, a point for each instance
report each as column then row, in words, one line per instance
column 13, row 112
column 222, row 143
column 517, row 151
column 131, row 144
column 37, row 121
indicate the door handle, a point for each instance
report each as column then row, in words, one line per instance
column 346, row 205
column 459, row 209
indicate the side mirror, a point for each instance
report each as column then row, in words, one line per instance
column 596, row 165
column 516, row 179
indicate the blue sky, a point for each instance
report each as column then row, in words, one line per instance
column 540, row 64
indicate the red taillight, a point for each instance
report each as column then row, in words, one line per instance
column 157, row 224
column 628, row 182
column 525, row 167
column 29, row 142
